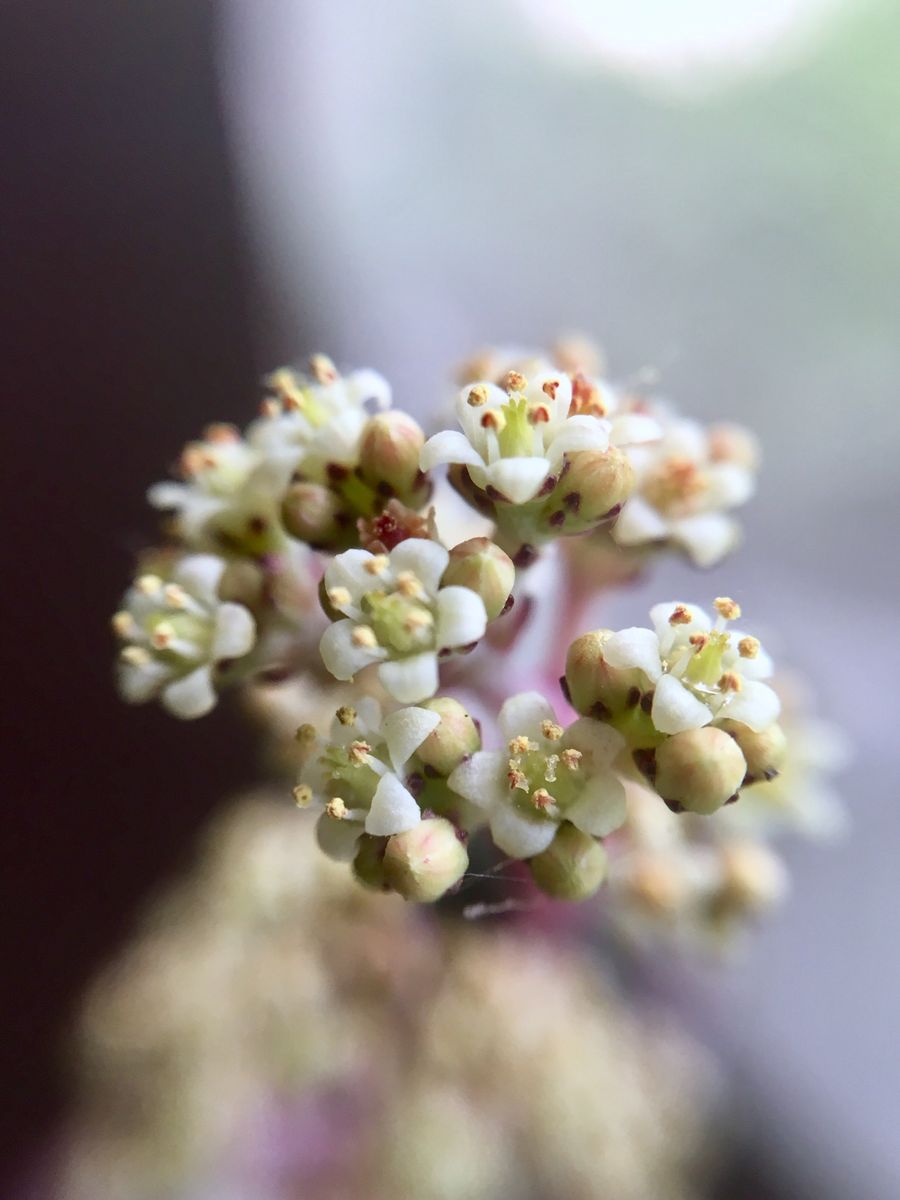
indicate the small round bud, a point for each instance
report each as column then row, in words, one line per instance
column 764, row 750
column 572, row 867
column 389, row 452
column 425, row 862
column 596, row 689
column 309, row 512
column 368, row 865
column 450, row 742
column 484, row 568
column 595, row 484
column 699, row 769
column 753, row 878
column 242, row 582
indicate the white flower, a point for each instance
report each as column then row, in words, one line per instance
column 178, row 635
column 700, row 671
column 686, row 483
column 358, row 775
column 397, row 614
column 543, row 776
column 513, row 441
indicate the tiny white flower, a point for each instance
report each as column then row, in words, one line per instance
column 513, row 441
column 686, row 483
column 357, row 777
column 396, row 613
column 544, row 774
column 701, row 670
column 177, row 635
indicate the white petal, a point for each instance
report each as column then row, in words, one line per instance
column 760, row 667
column 469, row 417
column 426, row 559
column 341, row 656
column 729, row 485
column 524, row 714
column 349, row 570
column 756, row 705
column 634, row 648
column 601, row 743
column 200, row 574
column 393, row 808
column 410, row 680
column 367, row 385
column 631, row 429
column 518, row 479
column 461, row 617
column 368, row 714
column 405, row 730
column 675, row 708
column 578, row 433
column 137, row 685
column 338, row 839
column 481, row 778
column 707, row 537
column 338, row 440
column 601, row 808
column 518, row 836
column 639, row 522
column 666, row 632
column 235, row 632
column 168, row 494
column 190, row 697
column 449, row 446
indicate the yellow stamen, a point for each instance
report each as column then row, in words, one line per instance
column 727, row 608
column 322, row 369
column 357, row 752
column 364, row 637
column 303, row 795
column 338, row 596
column 336, row 808
column 748, row 647
column 135, row 656
column 477, row 396
column 541, row 798
column 176, row 597
column 681, row 616
column 377, row 564
column 148, row 584
column 551, row 731
column 346, row 714
column 163, row 635
column 516, row 779
column 730, row 682
column 571, row 759
column 124, row 624
column 305, row 733
column 514, row 382
column 410, row 585
column 519, row 745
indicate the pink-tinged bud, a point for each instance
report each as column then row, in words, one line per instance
column 595, row 689
column 426, row 861
column 389, row 453
column 368, row 865
column 450, row 742
column 764, row 751
column 699, row 769
column 594, row 486
column 483, row 567
column 572, row 867
column 310, row 512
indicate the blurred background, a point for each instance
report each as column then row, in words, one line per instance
column 196, row 192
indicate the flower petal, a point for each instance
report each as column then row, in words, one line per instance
column 410, row 680
column 367, row 386
column 338, row 839
column 449, row 446
column 350, row 570
column 235, row 632
column 601, row 743
column 666, row 632
column 393, row 808
column 675, row 709
column 192, row 696
column 138, row 684
column 481, row 778
column 405, row 730
column 426, row 559
column 524, row 714
column 707, row 537
column 168, row 494
column 579, row 433
column 518, row 479
column 601, row 808
column 461, row 617
column 519, row 836
column 756, row 705
column 634, row 648
column 200, row 574
column 632, row 429
column 341, row 656
column 639, row 522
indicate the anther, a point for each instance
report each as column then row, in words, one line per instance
column 135, row 656
column 551, row 731
column 163, row 635
column 681, row 615
column 346, row 714
column 339, row 596
column 748, row 647
column 514, row 382
column 336, row 808
column 571, row 759
column 727, row 608
column 541, row 798
column 364, row 637
column 377, row 564
column 357, row 752
column 731, row 682
column 303, row 795
column 477, row 396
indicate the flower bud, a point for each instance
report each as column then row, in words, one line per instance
column 426, row 861
column 699, row 769
column 572, row 867
column 594, row 485
column 595, row 689
column 484, row 568
column 753, row 878
column 368, row 865
column 242, row 582
column 389, row 452
column 310, row 512
column 764, row 750
column 450, row 742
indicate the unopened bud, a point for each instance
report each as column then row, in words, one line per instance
column 753, row 878
column 595, row 689
column 368, row 864
column 572, row 867
column 595, row 484
column 699, row 769
column 764, row 750
column 450, row 742
column 309, row 512
column 242, row 582
column 389, row 452
column 426, row 861
column 483, row 567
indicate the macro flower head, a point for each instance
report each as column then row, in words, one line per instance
column 392, row 610
column 544, row 775
column 179, row 639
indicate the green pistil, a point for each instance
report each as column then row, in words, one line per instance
column 706, row 665
column 516, row 437
column 358, row 496
column 354, row 782
column 541, row 772
column 399, row 622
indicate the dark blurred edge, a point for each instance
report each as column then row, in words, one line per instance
column 126, row 327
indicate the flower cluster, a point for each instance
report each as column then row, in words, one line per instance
column 302, row 549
